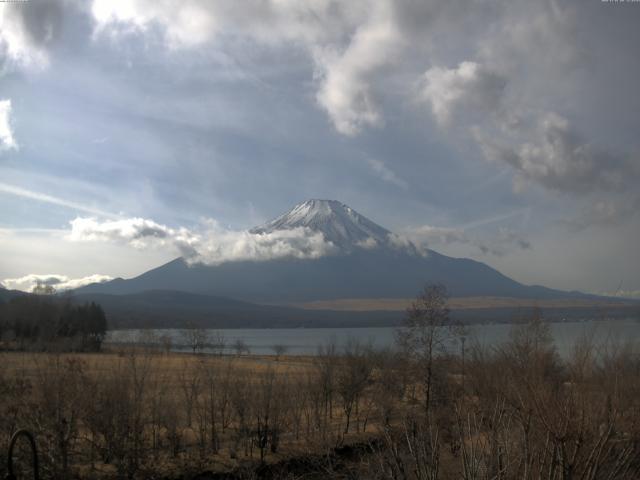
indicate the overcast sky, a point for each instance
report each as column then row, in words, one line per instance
column 501, row 130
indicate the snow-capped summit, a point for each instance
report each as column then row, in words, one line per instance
column 339, row 224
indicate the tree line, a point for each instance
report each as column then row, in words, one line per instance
column 42, row 322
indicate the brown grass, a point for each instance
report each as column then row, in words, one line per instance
column 457, row 303
column 172, row 371
column 27, row 364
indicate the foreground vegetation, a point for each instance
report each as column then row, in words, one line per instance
column 513, row 412
column 517, row 412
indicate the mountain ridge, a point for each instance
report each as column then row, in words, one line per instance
column 368, row 263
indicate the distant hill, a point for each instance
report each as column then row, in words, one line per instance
column 6, row 294
column 173, row 309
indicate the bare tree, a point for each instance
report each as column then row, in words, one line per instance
column 148, row 340
column 266, row 412
column 279, row 349
column 218, row 342
column 240, row 347
column 240, row 401
column 167, row 343
column 427, row 327
column 195, row 338
column 210, row 402
column 352, row 378
column 42, row 288
column 325, row 364
column 190, row 381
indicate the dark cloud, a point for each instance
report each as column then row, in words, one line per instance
column 41, row 21
column 505, row 242
column 499, row 243
column 607, row 212
column 29, row 29
column 557, row 157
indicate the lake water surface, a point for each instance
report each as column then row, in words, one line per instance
column 305, row 341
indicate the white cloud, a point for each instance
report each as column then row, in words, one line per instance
column 368, row 244
column 348, row 42
column 187, row 23
column 210, row 245
column 138, row 232
column 59, row 282
column 470, row 85
column 219, row 246
column 7, row 141
column 382, row 171
column 28, row 250
column 345, row 91
column 403, row 242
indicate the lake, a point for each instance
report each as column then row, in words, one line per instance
column 305, row 341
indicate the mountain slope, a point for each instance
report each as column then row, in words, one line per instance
column 367, row 265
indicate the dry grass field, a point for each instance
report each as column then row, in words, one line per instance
column 514, row 412
column 136, row 412
column 461, row 303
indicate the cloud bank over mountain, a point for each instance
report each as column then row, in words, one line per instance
column 312, row 229
column 209, row 245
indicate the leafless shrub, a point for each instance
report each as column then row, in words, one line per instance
column 279, row 350
column 241, row 347
column 195, row 338
column 59, row 392
column 353, row 376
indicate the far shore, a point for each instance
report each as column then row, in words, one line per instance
column 463, row 303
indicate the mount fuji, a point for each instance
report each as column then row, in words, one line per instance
column 366, row 261
column 339, row 224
